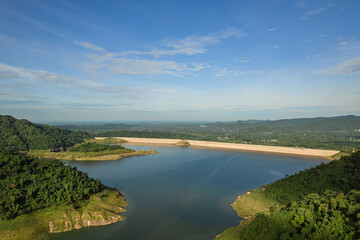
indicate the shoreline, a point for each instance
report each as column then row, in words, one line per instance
column 102, row 208
column 106, row 157
column 237, row 146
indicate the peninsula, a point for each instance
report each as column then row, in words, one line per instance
column 90, row 150
column 319, row 203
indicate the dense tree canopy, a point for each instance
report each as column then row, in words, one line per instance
column 27, row 184
column 22, row 135
column 341, row 176
column 329, row 216
column 94, row 147
column 321, row 203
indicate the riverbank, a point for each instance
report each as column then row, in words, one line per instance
column 101, row 209
column 236, row 146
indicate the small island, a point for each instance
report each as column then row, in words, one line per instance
column 182, row 143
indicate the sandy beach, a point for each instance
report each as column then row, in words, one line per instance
column 237, row 146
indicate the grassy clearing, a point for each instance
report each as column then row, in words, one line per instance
column 101, row 209
column 247, row 206
column 338, row 156
column 84, row 156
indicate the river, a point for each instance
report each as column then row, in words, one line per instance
column 182, row 193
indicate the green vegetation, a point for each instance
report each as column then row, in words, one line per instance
column 28, row 184
column 85, row 156
column 90, row 151
column 337, row 133
column 95, row 147
column 254, row 202
column 100, row 209
column 22, row 135
column 319, row 203
column 150, row 134
column 340, row 176
column 39, row 196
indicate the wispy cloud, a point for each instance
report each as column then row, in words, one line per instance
column 241, row 60
column 151, row 67
column 194, row 44
column 22, row 102
column 317, row 11
column 10, row 72
column 272, row 29
column 106, row 62
column 30, row 21
column 190, row 45
column 224, row 72
column 90, row 46
column 349, row 67
column 341, row 43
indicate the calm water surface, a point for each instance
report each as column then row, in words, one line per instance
column 182, row 193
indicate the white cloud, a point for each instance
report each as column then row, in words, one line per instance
column 118, row 65
column 317, row 11
column 147, row 67
column 224, row 72
column 242, row 60
column 23, row 74
column 341, row 43
column 272, row 29
column 90, row 46
column 349, row 67
column 191, row 45
column 121, row 63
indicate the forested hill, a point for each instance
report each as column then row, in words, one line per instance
column 28, row 184
column 340, row 123
column 22, row 135
column 319, row 203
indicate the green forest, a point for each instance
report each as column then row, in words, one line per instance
column 326, row 216
column 22, row 135
column 28, row 184
column 320, row 203
column 94, row 147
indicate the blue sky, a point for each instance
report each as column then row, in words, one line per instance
column 179, row 60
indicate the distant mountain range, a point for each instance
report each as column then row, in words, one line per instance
column 340, row 123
